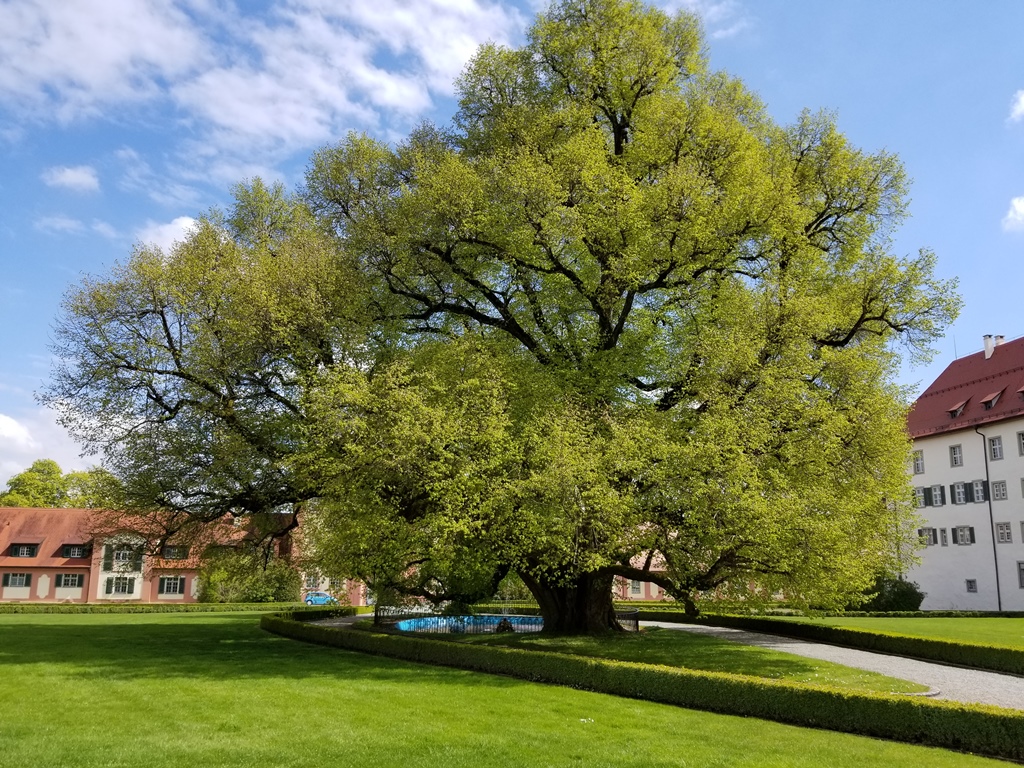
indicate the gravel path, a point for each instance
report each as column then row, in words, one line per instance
column 954, row 683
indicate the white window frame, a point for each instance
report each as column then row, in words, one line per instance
column 17, row 580
column 919, row 497
column 1020, row 573
column 163, row 586
column 634, row 587
column 971, row 585
column 121, row 555
column 999, row 492
column 943, row 537
column 918, row 461
column 959, row 493
column 122, row 585
column 995, row 448
column 1004, row 533
column 76, row 552
column 64, row 578
column 938, row 493
column 978, row 490
column 963, row 535
column 929, row 536
column 1020, row 443
column 24, row 550
column 956, row 455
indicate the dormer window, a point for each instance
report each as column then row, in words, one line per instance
column 957, row 409
column 990, row 400
column 24, row 550
column 174, row 552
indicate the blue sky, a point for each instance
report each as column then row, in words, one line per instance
column 121, row 120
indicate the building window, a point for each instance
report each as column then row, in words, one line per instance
column 120, row 585
column 1020, row 443
column 943, row 537
column 17, row 580
column 24, row 550
column 999, row 490
column 174, row 552
column 919, row 460
column 313, row 582
column 634, row 587
column 1020, row 574
column 995, row 448
column 121, row 557
column 70, row 580
column 919, row 496
column 1004, row 534
column 978, row 491
column 335, row 586
column 938, row 495
column 172, row 585
column 74, row 551
column 963, row 535
column 956, row 456
column 929, row 536
column 959, row 493
column 972, row 585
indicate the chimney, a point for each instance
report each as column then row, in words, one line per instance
column 990, row 345
column 999, row 340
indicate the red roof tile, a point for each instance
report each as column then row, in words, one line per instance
column 51, row 529
column 971, row 382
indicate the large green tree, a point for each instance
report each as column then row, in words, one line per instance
column 44, row 484
column 712, row 298
column 614, row 322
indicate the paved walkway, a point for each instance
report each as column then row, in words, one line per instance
column 954, row 683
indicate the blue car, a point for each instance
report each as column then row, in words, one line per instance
column 319, row 598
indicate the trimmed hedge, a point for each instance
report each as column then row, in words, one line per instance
column 972, row 728
column 996, row 658
column 139, row 607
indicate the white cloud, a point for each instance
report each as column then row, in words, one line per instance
column 1017, row 108
column 78, row 178
column 722, row 18
column 166, row 235
column 35, row 434
column 59, row 224
column 138, row 176
column 1013, row 221
column 74, row 58
column 104, row 229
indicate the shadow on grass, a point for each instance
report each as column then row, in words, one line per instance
column 200, row 646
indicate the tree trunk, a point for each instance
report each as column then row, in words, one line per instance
column 577, row 607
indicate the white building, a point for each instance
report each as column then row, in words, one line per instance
column 968, row 476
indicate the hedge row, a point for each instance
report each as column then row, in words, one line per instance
column 139, row 607
column 673, row 607
column 971, row 728
column 996, row 658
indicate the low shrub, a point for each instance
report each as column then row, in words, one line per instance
column 972, row 728
column 139, row 607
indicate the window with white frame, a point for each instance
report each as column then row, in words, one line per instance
column 1020, row 574
column 963, row 535
column 313, row 581
column 74, row 551
column 17, row 580
column 1020, row 443
column 122, row 555
column 943, row 537
column 171, row 585
column 1004, row 534
column 999, row 490
column 978, row 490
column 919, row 497
column 956, row 456
column 120, row 585
column 174, row 552
column 919, row 461
column 938, row 495
column 24, row 550
column 995, row 448
column 634, row 587
column 72, row 580
column 929, row 536
column 971, row 584
column 959, row 493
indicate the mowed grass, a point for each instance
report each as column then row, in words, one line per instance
column 214, row 690
column 676, row 648
column 986, row 631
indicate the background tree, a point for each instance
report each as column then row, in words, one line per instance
column 44, row 484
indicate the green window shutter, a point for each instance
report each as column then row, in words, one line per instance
column 108, row 558
column 973, row 540
column 136, row 564
column 28, row 579
column 952, row 492
column 969, row 491
column 59, row 582
column 131, row 586
column 65, row 552
column 162, row 588
column 181, row 585
column 7, row 579
column 984, row 491
column 110, row 585
column 952, row 531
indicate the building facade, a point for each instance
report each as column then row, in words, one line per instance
column 968, row 477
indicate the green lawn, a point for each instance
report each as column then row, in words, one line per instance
column 213, row 690
column 994, row 631
column 684, row 649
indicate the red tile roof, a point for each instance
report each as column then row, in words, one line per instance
column 971, row 382
column 51, row 529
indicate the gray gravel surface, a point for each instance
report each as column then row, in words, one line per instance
column 954, row 683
